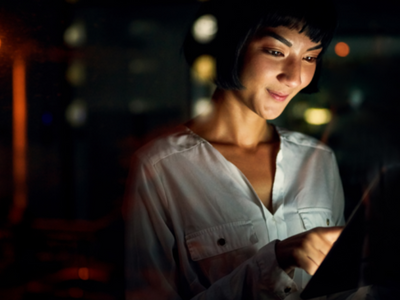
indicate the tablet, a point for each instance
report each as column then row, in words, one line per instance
column 367, row 251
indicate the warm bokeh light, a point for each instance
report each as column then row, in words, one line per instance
column 205, row 28
column 202, row 106
column 75, row 35
column 19, row 139
column 317, row 116
column 76, row 73
column 342, row 49
column 204, row 67
column 83, row 273
column 76, row 113
column 0, row 43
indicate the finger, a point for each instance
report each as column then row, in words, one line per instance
column 322, row 246
column 310, row 259
column 316, row 255
column 312, row 266
column 309, row 265
column 318, row 240
column 331, row 234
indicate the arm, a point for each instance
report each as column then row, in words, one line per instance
column 153, row 269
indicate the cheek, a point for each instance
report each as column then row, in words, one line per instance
column 256, row 70
column 308, row 75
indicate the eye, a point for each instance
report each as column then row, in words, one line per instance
column 273, row 52
column 310, row 59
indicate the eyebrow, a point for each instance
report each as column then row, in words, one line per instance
column 285, row 41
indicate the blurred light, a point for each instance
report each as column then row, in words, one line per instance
column 138, row 106
column 75, row 292
column 317, row 116
column 204, row 67
column 140, row 66
column 356, row 98
column 75, row 35
column 205, row 28
column 0, row 43
column 76, row 74
column 298, row 109
column 202, row 106
column 47, row 118
column 342, row 49
column 76, row 113
column 19, row 110
column 83, row 273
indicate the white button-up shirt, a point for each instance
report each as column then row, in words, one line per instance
column 196, row 229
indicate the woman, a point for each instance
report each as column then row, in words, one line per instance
column 228, row 206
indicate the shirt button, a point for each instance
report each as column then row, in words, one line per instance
column 327, row 222
column 287, row 290
column 221, row 242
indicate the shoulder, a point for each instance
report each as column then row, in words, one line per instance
column 178, row 140
column 293, row 138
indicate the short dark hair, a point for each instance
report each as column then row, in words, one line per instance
column 239, row 20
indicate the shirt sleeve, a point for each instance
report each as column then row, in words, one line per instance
column 338, row 195
column 152, row 259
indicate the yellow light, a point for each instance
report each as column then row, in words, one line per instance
column 204, row 67
column 76, row 74
column 342, row 49
column 317, row 116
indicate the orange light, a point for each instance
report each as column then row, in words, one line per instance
column 83, row 273
column 342, row 49
column 19, row 139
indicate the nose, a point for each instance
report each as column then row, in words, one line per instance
column 291, row 74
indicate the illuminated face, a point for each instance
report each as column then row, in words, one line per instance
column 277, row 64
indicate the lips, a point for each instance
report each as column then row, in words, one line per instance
column 278, row 96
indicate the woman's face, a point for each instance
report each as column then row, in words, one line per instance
column 277, row 63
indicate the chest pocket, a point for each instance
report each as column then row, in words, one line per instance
column 220, row 239
column 316, row 217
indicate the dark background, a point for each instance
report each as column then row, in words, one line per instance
column 104, row 77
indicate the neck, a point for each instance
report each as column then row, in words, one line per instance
column 232, row 122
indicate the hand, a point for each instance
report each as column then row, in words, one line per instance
column 306, row 250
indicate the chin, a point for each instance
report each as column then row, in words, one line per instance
column 271, row 114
